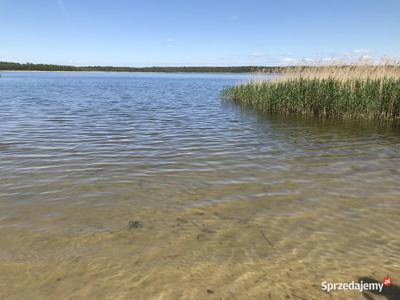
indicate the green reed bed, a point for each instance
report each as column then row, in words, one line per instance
column 323, row 95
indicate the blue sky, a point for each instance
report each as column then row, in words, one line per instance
column 203, row 32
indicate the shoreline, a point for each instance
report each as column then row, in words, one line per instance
column 12, row 66
column 163, row 72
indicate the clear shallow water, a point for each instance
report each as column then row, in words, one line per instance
column 242, row 205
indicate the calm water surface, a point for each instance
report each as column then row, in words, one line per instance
column 230, row 204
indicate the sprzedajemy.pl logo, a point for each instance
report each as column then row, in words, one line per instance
column 360, row 286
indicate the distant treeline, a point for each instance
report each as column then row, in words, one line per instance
column 10, row 66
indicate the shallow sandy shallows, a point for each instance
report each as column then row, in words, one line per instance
column 276, row 249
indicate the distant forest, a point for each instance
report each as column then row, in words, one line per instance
column 10, row 66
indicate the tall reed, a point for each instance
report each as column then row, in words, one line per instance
column 344, row 91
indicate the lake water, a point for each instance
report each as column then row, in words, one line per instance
column 225, row 203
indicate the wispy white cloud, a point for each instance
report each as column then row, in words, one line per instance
column 365, row 57
column 360, row 51
column 256, row 55
column 288, row 60
column 170, row 40
column 309, row 59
